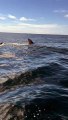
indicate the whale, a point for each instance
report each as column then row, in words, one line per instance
column 30, row 41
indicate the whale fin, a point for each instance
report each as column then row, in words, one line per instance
column 30, row 41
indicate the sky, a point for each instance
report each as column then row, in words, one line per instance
column 34, row 16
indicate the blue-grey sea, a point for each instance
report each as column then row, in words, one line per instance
column 34, row 76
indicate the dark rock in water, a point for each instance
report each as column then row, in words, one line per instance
column 30, row 41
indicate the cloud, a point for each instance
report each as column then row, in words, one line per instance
column 2, row 18
column 38, row 25
column 12, row 17
column 63, row 12
column 66, row 16
column 26, row 19
column 60, row 11
column 46, row 29
column 35, row 28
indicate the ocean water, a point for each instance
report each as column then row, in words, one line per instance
column 33, row 78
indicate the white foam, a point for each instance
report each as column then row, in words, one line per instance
column 15, row 44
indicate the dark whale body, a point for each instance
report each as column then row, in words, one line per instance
column 30, row 41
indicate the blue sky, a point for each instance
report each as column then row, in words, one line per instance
column 34, row 16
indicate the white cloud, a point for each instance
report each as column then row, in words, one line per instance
column 35, row 28
column 2, row 18
column 22, row 19
column 12, row 17
column 38, row 25
column 60, row 11
column 26, row 19
column 66, row 15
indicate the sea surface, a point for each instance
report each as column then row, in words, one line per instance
column 33, row 78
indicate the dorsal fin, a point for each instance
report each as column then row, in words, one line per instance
column 30, row 41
